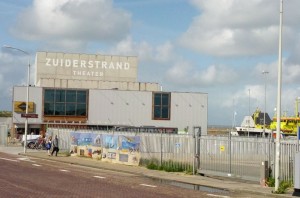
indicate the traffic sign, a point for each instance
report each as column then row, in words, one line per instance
column 29, row 115
column 20, row 107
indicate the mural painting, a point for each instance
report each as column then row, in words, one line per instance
column 106, row 147
column 97, row 146
column 110, row 144
column 74, row 143
column 86, row 144
column 129, row 150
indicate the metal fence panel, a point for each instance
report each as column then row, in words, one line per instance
column 239, row 157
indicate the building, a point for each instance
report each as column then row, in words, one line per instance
column 100, row 91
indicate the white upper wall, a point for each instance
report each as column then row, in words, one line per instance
column 134, row 108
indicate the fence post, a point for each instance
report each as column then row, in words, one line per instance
column 197, row 135
column 161, row 152
column 194, row 136
column 229, row 150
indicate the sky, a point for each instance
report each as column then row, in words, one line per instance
column 218, row 47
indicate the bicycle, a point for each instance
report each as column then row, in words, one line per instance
column 39, row 144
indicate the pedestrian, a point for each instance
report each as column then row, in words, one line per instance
column 49, row 144
column 55, row 146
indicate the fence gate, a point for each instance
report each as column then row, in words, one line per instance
column 233, row 156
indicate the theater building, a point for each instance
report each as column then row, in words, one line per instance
column 92, row 91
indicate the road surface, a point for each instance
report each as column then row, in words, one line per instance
column 28, row 177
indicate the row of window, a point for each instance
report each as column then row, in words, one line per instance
column 59, row 102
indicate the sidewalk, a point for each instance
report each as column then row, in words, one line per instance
column 229, row 184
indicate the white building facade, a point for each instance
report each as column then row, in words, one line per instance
column 100, row 91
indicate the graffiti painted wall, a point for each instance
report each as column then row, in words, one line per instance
column 106, row 147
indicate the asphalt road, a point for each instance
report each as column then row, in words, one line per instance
column 28, row 177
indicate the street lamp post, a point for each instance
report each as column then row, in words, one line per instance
column 27, row 92
column 277, row 157
column 265, row 74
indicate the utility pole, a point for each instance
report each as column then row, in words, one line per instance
column 277, row 156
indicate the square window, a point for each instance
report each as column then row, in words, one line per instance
column 81, row 110
column 60, row 96
column 49, row 96
column 71, row 96
column 49, row 109
column 161, row 106
column 60, row 109
column 81, row 96
column 71, row 109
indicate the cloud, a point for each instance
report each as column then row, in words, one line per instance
column 164, row 52
column 214, row 75
column 144, row 50
column 13, row 71
column 294, row 53
column 72, row 22
column 290, row 71
column 238, row 28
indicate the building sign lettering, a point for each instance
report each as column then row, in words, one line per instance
column 87, row 73
column 70, row 67
column 92, row 64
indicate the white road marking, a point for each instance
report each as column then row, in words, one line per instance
column 25, row 159
column 221, row 196
column 99, row 177
column 62, row 170
column 36, row 165
column 7, row 159
column 147, row 185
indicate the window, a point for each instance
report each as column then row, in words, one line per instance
column 59, row 102
column 161, row 106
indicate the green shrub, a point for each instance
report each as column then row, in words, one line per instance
column 168, row 166
column 283, row 186
column 152, row 166
column 271, row 182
